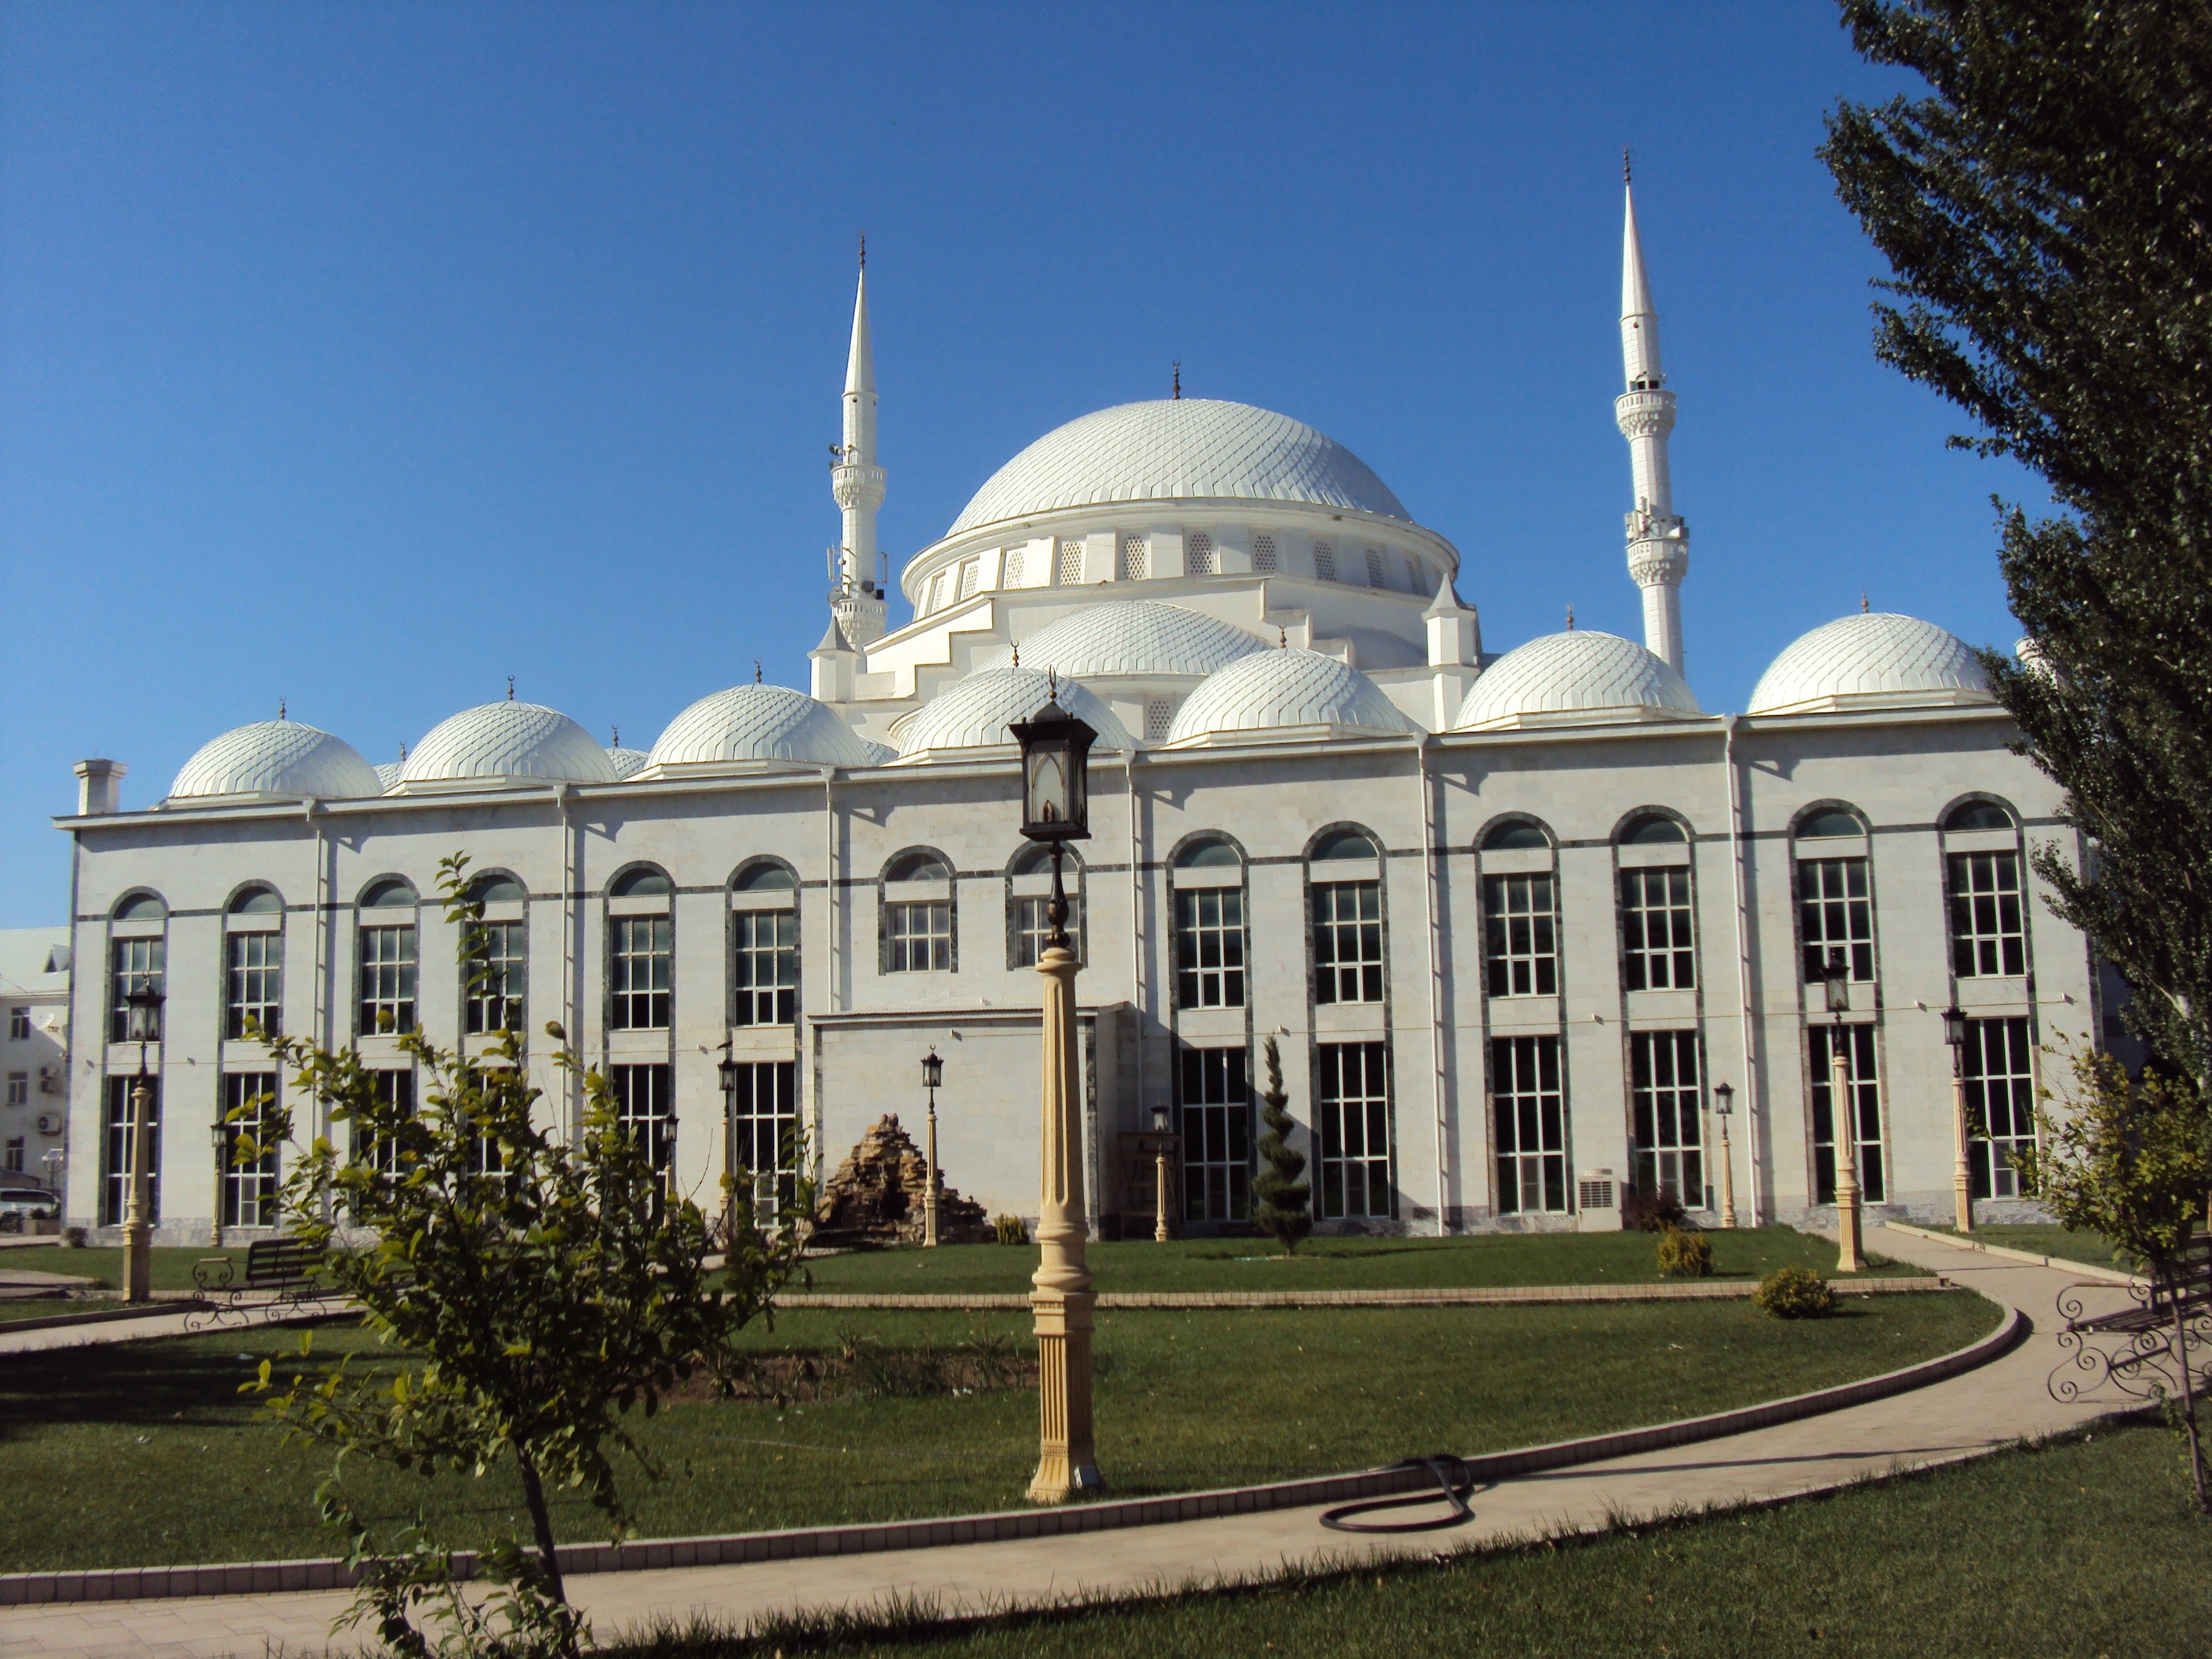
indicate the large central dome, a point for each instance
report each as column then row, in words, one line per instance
column 1179, row 449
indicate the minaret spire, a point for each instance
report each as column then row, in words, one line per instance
column 1658, row 541
column 856, row 599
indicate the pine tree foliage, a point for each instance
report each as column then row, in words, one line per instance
column 2047, row 213
column 1286, row 1212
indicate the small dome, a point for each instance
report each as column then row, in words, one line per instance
column 277, row 757
column 508, row 741
column 761, row 723
column 1271, row 690
column 626, row 763
column 975, row 713
column 1878, row 660
column 388, row 773
column 1575, row 677
column 1132, row 638
column 1179, row 449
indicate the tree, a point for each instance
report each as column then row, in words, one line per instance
column 1285, row 1210
column 548, row 1287
column 2047, row 213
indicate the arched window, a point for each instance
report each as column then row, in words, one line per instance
column 641, row 951
column 494, row 980
column 385, row 948
column 257, row 902
column 1515, row 835
column 645, row 881
column 916, row 935
column 1208, row 855
column 1835, row 894
column 1651, row 829
column 391, row 893
column 1978, row 815
column 1345, row 844
column 1208, row 878
column 1344, row 907
column 1828, row 824
column 497, row 888
column 1029, row 895
column 254, row 964
column 141, row 907
column 764, row 946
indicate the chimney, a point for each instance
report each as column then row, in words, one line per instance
column 100, row 786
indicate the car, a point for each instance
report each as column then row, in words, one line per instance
column 18, row 1202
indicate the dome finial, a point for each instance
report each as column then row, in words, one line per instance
column 1175, row 395
column 863, row 250
column 1863, row 602
column 1624, row 179
column 1282, row 637
column 510, row 688
column 402, row 753
column 757, row 677
column 1017, row 653
column 1570, row 619
column 614, row 737
column 280, row 708
column 1052, row 685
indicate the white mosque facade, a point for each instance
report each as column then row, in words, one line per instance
column 1519, row 924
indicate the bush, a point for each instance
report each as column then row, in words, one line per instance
column 1011, row 1229
column 1654, row 1212
column 1795, row 1293
column 1684, row 1255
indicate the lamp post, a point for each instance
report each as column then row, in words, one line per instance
column 1962, row 1193
column 1056, row 810
column 1725, row 1103
column 1843, row 1118
column 933, row 1073
column 219, row 1137
column 1160, row 1234
column 728, row 1070
column 144, row 1026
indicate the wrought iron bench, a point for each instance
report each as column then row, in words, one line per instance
column 279, row 1272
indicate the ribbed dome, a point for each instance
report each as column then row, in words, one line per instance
column 508, row 741
column 975, row 713
column 1132, row 638
column 1179, row 449
column 388, row 773
column 1275, row 689
column 626, row 763
column 277, row 757
column 760, row 723
column 1582, row 673
column 1878, row 660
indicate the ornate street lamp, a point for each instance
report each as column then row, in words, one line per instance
column 1056, row 810
column 1962, row 1192
column 142, row 1026
column 1843, row 1117
column 219, row 1138
column 933, row 1073
column 729, row 1071
column 1723, row 1104
column 1160, row 1234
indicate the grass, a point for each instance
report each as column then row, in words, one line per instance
column 2075, row 1548
column 173, row 1266
column 143, row 1453
column 2049, row 1238
column 1254, row 1264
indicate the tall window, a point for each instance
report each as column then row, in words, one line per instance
column 19, row 1088
column 19, row 1023
column 918, row 936
column 765, row 970
column 1986, row 937
column 1529, row 1111
column 1864, row 1115
column 1265, row 557
column 1067, row 563
column 1834, row 913
column 254, row 987
column 764, row 1131
column 387, row 979
column 1216, row 1134
column 1210, row 947
column 1347, row 935
column 1324, row 562
column 1203, row 560
column 645, row 1098
column 384, row 1153
column 497, row 978
column 1351, row 1112
column 118, row 1146
column 1998, row 1063
column 1016, row 564
column 1666, row 1105
column 970, row 573
column 644, row 955
column 1661, row 953
column 249, row 1154
column 138, row 967
column 1132, row 558
column 1520, row 932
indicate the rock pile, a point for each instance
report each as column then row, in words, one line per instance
column 875, row 1197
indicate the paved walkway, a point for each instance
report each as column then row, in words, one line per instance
column 1976, row 1413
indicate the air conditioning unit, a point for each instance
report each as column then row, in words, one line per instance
column 1597, row 1201
column 50, row 1123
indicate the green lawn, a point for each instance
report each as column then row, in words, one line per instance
column 1254, row 1264
column 2072, row 1550
column 143, row 1453
column 172, row 1267
column 2049, row 1238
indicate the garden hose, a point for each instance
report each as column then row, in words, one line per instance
column 1453, row 1476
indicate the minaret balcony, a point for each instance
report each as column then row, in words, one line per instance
column 1646, row 414
column 859, row 487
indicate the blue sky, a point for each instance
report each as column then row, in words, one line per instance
column 363, row 355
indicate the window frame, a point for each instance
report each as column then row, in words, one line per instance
column 901, row 903
column 1679, row 955
column 1865, row 1082
column 1657, row 1102
column 1332, row 1160
column 1972, row 945
column 1538, row 1104
column 1228, row 882
column 249, row 1195
column 1989, row 1165
column 115, row 1127
column 1214, row 1110
column 1028, row 891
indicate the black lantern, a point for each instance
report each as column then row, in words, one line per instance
column 1723, row 1099
column 932, row 1071
column 1954, row 1027
column 1159, row 1120
column 1055, row 791
column 1837, row 982
column 728, row 1068
column 144, row 1023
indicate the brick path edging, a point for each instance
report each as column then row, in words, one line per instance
column 1696, row 1290
column 2056, row 1263
column 261, row 1577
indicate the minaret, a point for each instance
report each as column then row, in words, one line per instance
column 1658, row 541
column 856, row 598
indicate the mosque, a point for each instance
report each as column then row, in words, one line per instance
column 1532, row 929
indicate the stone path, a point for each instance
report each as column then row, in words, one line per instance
column 1973, row 1413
